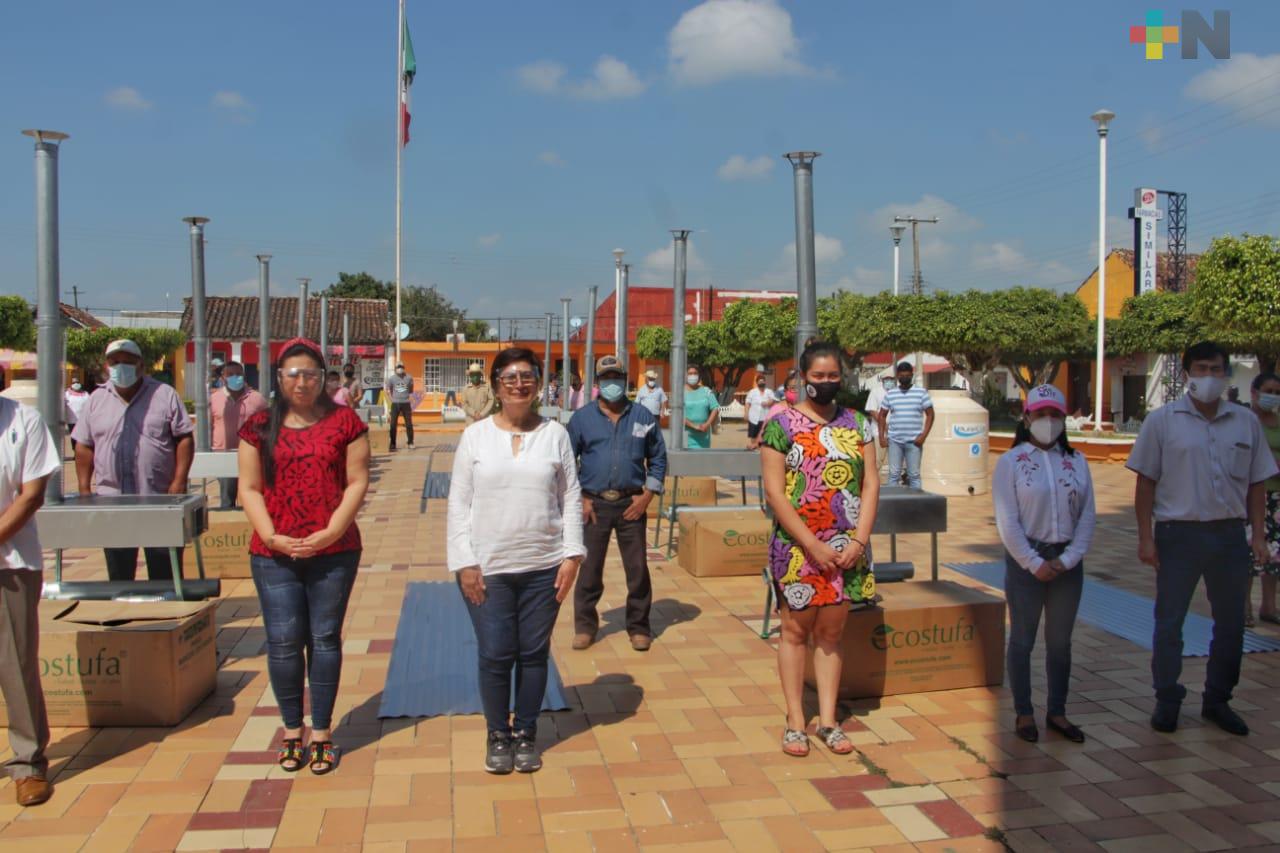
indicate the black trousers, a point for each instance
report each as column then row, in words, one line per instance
column 122, row 564
column 401, row 410
column 635, row 561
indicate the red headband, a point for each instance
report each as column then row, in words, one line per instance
column 302, row 342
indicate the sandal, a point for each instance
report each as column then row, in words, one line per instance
column 290, row 757
column 323, row 758
column 836, row 740
column 795, row 743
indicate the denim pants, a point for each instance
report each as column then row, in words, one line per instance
column 1059, row 599
column 303, row 605
column 1219, row 551
column 904, row 453
column 635, row 563
column 513, row 630
column 401, row 411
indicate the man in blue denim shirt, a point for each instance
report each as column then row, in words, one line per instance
column 622, row 460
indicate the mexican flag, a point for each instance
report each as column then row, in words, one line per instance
column 408, row 68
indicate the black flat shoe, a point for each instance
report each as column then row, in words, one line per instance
column 1224, row 718
column 1069, row 731
column 1165, row 718
column 1028, row 732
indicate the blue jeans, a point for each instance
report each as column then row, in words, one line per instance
column 303, row 605
column 513, row 629
column 904, row 453
column 1188, row 549
column 1027, row 596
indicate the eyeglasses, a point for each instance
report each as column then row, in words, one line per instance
column 303, row 374
column 512, row 378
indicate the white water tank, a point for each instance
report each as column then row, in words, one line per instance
column 955, row 454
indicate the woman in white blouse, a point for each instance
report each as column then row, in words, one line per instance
column 1045, row 514
column 515, row 544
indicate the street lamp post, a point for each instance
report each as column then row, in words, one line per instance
column 619, row 303
column 200, row 328
column 896, row 232
column 806, row 274
column 1103, row 118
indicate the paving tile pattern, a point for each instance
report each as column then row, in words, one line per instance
column 674, row 748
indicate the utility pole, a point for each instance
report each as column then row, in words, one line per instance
column 917, row 282
column 75, row 296
column 303, row 284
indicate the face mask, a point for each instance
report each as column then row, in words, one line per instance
column 399, row 373
column 235, row 383
column 1206, row 389
column 75, row 386
column 613, row 389
column 123, row 375
column 791, row 396
column 1046, row 430
column 350, row 374
column 822, row 393
column 476, row 379
column 1266, row 402
column 904, row 384
column 652, row 383
column 691, row 379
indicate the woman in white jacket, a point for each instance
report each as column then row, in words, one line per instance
column 1045, row 515
column 515, row 544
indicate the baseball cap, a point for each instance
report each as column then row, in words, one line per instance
column 1046, row 397
column 124, row 345
column 610, row 364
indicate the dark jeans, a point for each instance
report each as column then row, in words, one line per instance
column 635, row 562
column 1059, row 599
column 1188, row 549
column 122, row 563
column 398, row 411
column 303, row 605
column 513, row 629
column 230, row 488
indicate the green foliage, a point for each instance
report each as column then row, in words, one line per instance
column 85, row 347
column 1155, row 322
column 429, row 315
column 653, row 343
column 17, row 324
column 1237, row 294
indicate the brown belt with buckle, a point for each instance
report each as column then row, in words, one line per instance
column 615, row 494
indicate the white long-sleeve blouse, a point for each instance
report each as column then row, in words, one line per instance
column 513, row 511
column 1047, row 496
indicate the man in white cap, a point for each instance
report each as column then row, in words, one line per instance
column 651, row 395
column 477, row 397
column 28, row 455
column 134, row 438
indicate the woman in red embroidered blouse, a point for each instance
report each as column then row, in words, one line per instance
column 304, row 470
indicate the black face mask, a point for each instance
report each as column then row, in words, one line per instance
column 904, row 384
column 822, row 393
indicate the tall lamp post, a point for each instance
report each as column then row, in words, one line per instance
column 896, row 232
column 1103, row 118
column 806, row 275
column 619, row 297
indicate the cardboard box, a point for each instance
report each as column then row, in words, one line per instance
column 924, row 636
column 694, row 491
column 117, row 663
column 717, row 544
column 224, row 546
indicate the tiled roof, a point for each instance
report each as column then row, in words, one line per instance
column 80, row 317
column 235, row 318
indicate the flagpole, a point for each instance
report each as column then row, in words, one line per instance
column 399, row 149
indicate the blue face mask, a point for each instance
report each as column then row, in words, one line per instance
column 613, row 389
column 123, row 375
column 235, row 383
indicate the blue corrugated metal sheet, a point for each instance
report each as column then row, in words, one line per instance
column 434, row 663
column 1125, row 614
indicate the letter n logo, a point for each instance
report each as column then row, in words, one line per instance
column 1216, row 39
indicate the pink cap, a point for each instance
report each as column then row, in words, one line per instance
column 1046, row 397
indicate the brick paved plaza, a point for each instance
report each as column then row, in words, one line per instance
column 674, row 749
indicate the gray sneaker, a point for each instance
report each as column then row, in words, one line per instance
column 527, row 759
column 497, row 756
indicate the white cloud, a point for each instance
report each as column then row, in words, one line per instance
column 551, row 158
column 720, row 39
column 950, row 218
column 739, row 168
column 658, row 266
column 610, row 79
column 999, row 257
column 1248, row 83
column 826, row 250
column 864, row 280
column 543, row 77
column 127, row 98
column 233, row 105
column 488, row 241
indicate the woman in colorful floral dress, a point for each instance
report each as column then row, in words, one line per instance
column 1266, row 405
column 813, row 456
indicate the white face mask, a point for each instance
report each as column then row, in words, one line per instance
column 1206, row 389
column 1268, row 402
column 692, row 379
column 1046, row 430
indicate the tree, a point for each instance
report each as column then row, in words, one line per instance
column 1237, row 295
column 1155, row 322
column 17, row 324
column 429, row 315
column 86, row 347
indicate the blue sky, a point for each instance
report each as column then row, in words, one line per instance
column 545, row 134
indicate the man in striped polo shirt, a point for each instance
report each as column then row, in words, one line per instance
column 906, row 416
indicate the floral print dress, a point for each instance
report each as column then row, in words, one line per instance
column 825, row 467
